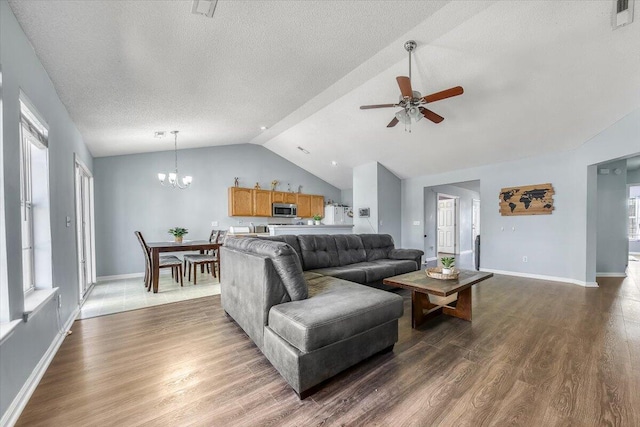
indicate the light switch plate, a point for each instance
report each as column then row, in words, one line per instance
column 416, row 222
column 214, row 223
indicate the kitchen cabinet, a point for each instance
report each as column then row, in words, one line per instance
column 262, row 202
column 253, row 202
column 317, row 205
column 240, row 201
column 304, row 205
column 277, row 197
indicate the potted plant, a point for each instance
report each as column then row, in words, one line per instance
column 447, row 264
column 317, row 218
column 178, row 232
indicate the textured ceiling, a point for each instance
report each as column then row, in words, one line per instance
column 125, row 69
column 538, row 77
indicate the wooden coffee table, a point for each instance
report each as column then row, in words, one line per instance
column 421, row 286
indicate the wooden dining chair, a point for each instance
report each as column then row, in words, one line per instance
column 210, row 260
column 166, row 261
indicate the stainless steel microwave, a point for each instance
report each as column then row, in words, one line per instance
column 284, row 210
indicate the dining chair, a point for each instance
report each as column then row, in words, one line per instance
column 166, row 261
column 210, row 260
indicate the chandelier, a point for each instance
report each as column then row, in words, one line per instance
column 174, row 181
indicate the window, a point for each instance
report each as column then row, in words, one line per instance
column 634, row 216
column 34, row 196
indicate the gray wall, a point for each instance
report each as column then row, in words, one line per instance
column 128, row 197
column 612, row 242
column 347, row 197
column 633, row 176
column 431, row 221
column 389, row 201
column 560, row 245
column 21, row 69
column 365, row 195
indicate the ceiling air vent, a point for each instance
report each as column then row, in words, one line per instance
column 622, row 13
column 204, row 7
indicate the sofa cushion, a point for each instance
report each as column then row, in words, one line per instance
column 377, row 246
column 350, row 248
column 340, row 310
column 399, row 266
column 353, row 274
column 375, row 272
column 283, row 258
column 289, row 239
column 318, row 251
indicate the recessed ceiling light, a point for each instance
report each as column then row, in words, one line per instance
column 303, row 150
column 263, row 128
column 159, row 134
column 334, row 163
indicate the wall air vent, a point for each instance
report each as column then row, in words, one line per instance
column 204, row 7
column 622, row 13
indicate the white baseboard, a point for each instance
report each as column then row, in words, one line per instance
column 611, row 274
column 466, row 252
column 119, row 276
column 543, row 277
column 10, row 417
column 433, row 258
column 634, row 253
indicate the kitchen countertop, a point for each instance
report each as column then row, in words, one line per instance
column 312, row 226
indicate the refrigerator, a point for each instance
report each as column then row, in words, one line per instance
column 338, row 215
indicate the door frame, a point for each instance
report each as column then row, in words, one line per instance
column 456, row 220
column 475, row 229
column 80, row 170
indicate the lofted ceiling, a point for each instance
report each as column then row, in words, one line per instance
column 538, row 77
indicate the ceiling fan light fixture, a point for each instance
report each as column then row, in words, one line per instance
column 403, row 117
column 414, row 113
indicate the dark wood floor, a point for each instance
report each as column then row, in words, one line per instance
column 537, row 353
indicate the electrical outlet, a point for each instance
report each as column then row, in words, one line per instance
column 525, row 259
column 214, row 223
column 59, row 301
column 416, row 222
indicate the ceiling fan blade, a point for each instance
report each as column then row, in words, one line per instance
column 454, row 91
column 393, row 122
column 435, row 118
column 405, row 86
column 368, row 107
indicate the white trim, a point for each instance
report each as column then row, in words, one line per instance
column 611, row 274
column 35, row 300
column 7, row 328
column 543, row 277
column 465, row 252
column 119, row 276
column 433, row 258
column 634, row 253
column 11, row 415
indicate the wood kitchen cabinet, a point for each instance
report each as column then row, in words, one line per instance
column 283, row 197
column 317, row 205
column 252, row 202
column 240, row 201
column 262, row 202
column 304, row 205
column 277, row 197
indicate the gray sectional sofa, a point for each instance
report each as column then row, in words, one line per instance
column 313, row 324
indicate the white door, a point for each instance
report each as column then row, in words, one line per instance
column 446, row 225
column 84, row 228
column 475, row 222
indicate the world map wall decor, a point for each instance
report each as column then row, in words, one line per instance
column 527, row 200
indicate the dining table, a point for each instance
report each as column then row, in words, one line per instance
column 170, row 246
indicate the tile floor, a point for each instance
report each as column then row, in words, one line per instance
column 130, row 294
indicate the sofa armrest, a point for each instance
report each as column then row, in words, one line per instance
column 412, row 254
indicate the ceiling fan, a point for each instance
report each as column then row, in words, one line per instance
column 412, row 102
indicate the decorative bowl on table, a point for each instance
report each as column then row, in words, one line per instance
column 436, row 273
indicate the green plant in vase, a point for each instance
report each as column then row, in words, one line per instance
column 317, row 218
column 448, row 262
column 178, row 233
